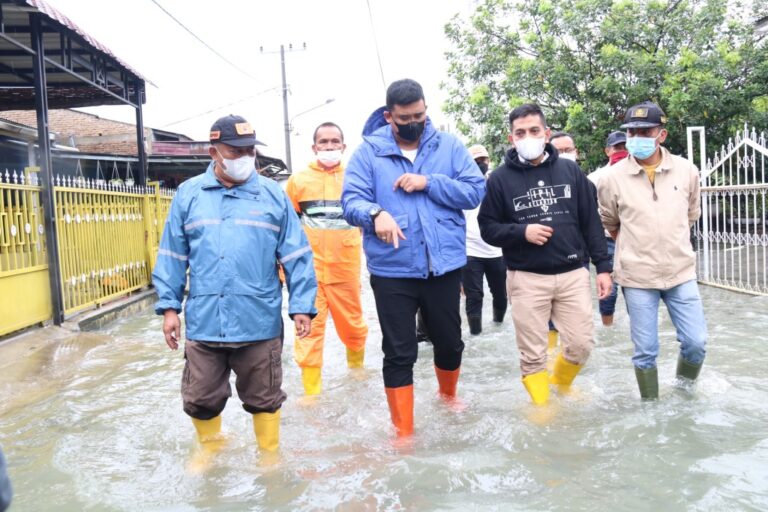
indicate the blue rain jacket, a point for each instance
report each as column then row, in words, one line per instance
column 431, row 220
column 231, row 240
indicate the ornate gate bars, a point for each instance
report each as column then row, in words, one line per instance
column 731, row 238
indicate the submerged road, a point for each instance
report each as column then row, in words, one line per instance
column 93, row 421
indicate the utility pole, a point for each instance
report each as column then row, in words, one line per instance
column 286, row 120
column 286, row 123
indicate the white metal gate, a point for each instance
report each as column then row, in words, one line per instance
column 730, row 238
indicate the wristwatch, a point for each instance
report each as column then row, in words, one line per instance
column 375, row 211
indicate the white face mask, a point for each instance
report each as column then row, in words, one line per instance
column 530, row 148
column 239, row 169
column 329, row 158
column 568, row 156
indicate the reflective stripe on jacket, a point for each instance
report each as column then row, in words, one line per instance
column 231, row 240
column 653, row 249
column 431, row 220
column 316, row 196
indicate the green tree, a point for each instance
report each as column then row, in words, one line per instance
column 586, row 61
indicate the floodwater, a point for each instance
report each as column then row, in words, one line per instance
column 94, row 422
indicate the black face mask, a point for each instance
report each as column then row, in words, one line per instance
column 410, row 132
column 483, row 167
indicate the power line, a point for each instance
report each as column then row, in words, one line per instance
column 201, row 114
column 376, row 43
column 203, row 42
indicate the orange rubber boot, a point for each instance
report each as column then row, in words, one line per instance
column 447, row 380
column 400, row 402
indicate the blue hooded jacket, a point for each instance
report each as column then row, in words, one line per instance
column 432, row 220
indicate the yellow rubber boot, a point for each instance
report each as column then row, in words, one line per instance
column 552, row 341
column 210, row 441
column 310, row 377
column 564, row 373
column 355, row 359
column 537, row 385
column 266, row 426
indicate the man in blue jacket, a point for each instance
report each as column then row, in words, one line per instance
column 6, row 491
column 406, row 186
column 230, row 227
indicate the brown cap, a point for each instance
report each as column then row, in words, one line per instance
column 478, row 151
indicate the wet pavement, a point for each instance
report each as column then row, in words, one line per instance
column 93, row 421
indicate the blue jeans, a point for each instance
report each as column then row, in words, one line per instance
column 608, row 304
column 685, row 309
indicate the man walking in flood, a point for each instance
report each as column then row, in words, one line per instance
column 316, row 195
column 615, row 150
column 406, row 186
column 230, row 227
column 541, row 210
column 482, row 260
column 648, row 203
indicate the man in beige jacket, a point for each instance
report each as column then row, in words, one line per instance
column 648, row 204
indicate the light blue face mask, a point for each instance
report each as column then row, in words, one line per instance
column 641, row 147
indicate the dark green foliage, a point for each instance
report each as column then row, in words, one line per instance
column 586, row 61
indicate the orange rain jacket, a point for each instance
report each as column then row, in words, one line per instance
column 316, row 197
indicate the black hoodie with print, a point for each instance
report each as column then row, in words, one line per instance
column 554, row 193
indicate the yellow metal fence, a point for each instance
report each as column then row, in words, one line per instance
column 158, row 203
column 25, row 294
column 108, row 237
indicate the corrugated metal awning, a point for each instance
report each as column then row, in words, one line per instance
column 80, row 71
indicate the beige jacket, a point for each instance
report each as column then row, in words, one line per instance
column 653, row 248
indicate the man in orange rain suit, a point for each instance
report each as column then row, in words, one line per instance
column 316, row 196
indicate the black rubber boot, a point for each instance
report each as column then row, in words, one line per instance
column 498, row 315
column 686, row 370
column 422, row 336
column 475, row 324
column 648, row 382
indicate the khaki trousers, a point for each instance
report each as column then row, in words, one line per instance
column 565, row 298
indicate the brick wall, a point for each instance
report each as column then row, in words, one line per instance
column 92, row 134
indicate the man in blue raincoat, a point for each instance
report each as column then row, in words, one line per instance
column 230, row 227
column 406, row 186
column 6, row 491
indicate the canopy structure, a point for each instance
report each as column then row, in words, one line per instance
column 80, row 71
column 46, row 61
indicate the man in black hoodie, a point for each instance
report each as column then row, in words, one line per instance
column 541, row 210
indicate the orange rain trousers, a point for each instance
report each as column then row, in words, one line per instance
column 342, row 300
column 316, row 196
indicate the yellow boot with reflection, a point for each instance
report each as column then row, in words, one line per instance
column 266, row 426
column 537, row 385
column 564, row 373
column 552, row 336
column 355, row 359
column 311, row 379
column 210, row 441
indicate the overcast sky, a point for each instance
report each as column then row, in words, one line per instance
column 340, row 61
